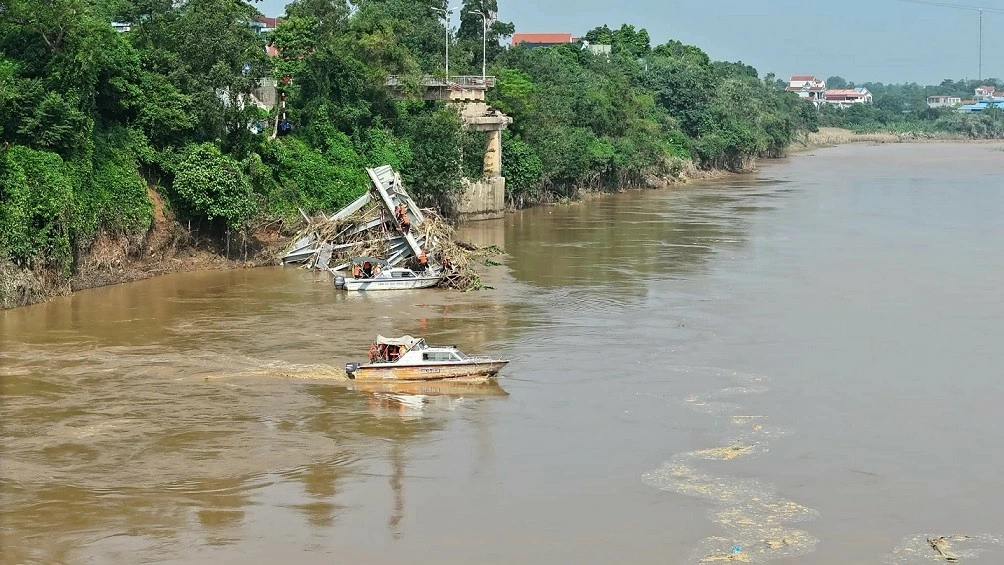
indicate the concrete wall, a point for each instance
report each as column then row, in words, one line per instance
column 482, row 199
column 265, row 92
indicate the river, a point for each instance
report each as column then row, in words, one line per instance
column 804, row 363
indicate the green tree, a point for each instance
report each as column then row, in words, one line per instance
column 522, row 169
column 836, row 82
column 36, row 203
column 435, row 140
column 469, row 38
column 212, row 185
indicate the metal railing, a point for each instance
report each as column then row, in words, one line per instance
column 473, row 81
column 466, row 81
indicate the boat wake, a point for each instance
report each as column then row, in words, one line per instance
column 758, row 523
column 755, row 517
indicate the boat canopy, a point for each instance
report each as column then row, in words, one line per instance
column 406, row 341
column 360, row 260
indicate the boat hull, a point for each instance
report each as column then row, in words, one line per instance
column 427, row 372
column 390, row 284
column 478, row 386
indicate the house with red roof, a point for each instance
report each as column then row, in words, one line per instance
column 265, row 24
column 842, row 98
column 531, row 40
column 808, row 87
column 987, row 91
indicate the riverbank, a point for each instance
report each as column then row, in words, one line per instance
column 832, row 137
column 170, row 248
column 824, row 138
column 167, row 247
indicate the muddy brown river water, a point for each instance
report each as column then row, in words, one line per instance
column 806, row 363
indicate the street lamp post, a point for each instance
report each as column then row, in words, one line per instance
column 446, row 16
column 484, row 41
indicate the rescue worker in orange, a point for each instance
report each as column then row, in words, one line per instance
column 423, row 260
column 405, row 222
column 373, row 353
column 356, row 271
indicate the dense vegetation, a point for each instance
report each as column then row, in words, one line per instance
column 903, row 108
column 92, row 119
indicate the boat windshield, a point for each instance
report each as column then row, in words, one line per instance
column 420, row 344
column 459, row 354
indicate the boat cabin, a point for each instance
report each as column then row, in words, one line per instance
column 368, row 267
column 408, row 350
column 400, row 273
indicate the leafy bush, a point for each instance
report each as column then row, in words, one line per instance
column 381, row 147
column 36, row 201
column 435, row 139
column 521, row 168
column 114, row 196
column 213, row 185
column 316, row 180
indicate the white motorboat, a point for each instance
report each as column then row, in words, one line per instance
column 375, row 274
column 393, row 278
column 409, row 358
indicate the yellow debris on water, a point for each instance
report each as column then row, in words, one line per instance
column 724, row 453
column 726, row 557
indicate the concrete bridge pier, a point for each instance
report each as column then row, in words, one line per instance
column 482, row 198
column 485, row 198
column 493, row 153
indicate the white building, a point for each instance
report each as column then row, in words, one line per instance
column 265, row 24
column 943, row 101
column 986, row 92
column 598, row 49
column 807, row 86
column 848, row 97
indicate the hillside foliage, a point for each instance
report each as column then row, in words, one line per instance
column 92, row 119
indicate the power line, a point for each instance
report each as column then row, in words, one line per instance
column 954, row 6
column 979, row 9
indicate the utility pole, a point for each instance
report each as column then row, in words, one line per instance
column 484, row 41
column 446, row 16
column 967, row 7
column 981, row 45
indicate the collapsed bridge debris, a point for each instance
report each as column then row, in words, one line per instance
column 372, row 226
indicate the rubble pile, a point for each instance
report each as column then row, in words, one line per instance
column 369, row 227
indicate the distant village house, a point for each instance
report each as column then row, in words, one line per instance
column 598, row 49
column 943, row 101
column 987, row 92
column 535, row 40
column 532, row 40
column 986, row 97
column 808, row 87
column 265, row 24
column 844, row 98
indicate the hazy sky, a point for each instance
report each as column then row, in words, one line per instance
column 860, row 40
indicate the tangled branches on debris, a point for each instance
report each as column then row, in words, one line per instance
column 369, row 232
column 458, row 258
